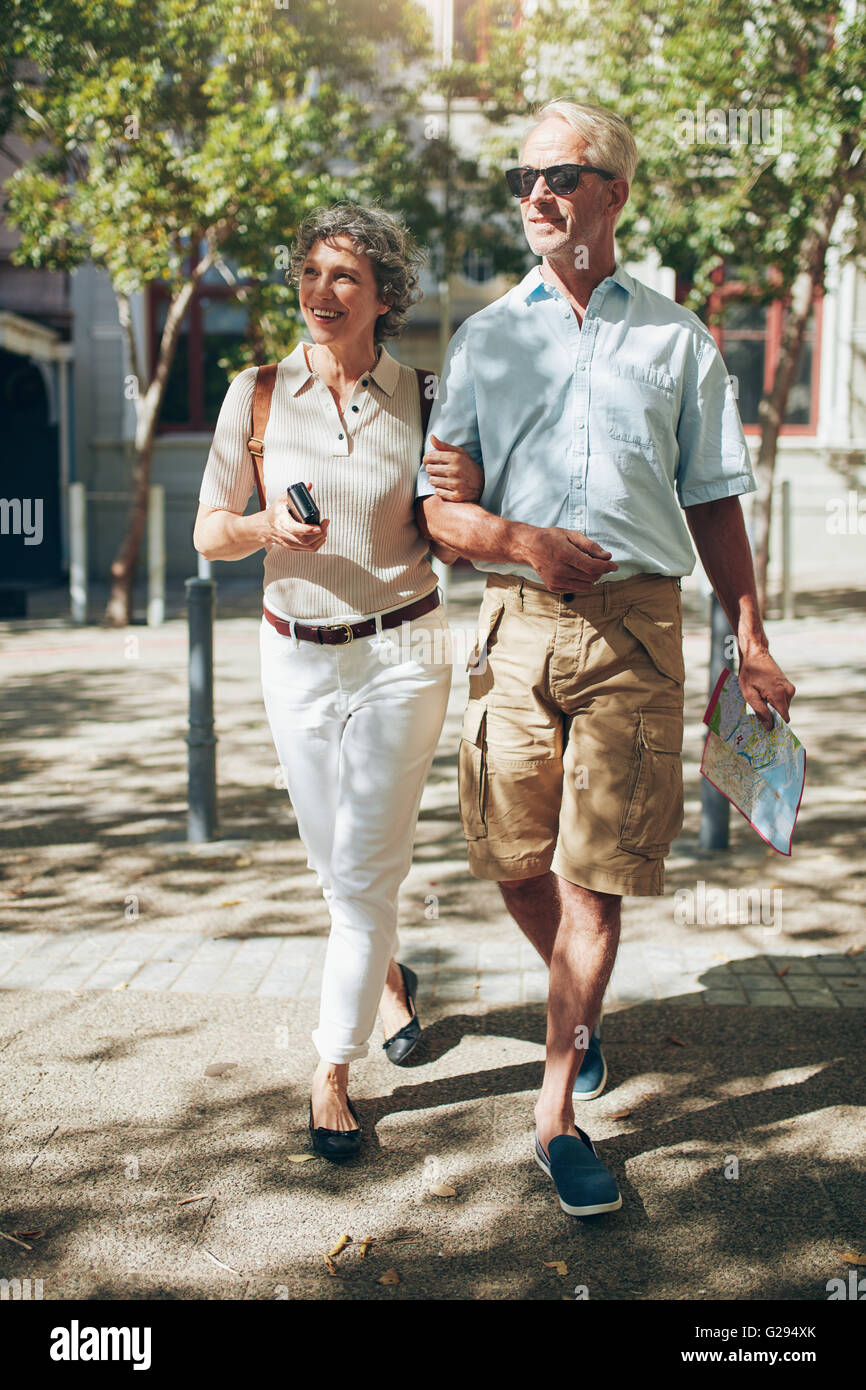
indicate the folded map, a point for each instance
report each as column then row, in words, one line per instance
column 760, row 771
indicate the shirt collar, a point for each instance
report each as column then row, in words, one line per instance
column 385, row 373
column 532, row 286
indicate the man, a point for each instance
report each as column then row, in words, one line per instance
column 597, row 409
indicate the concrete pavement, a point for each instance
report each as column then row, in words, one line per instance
column 156, row 1003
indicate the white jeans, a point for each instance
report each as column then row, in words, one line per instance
column 355, row 728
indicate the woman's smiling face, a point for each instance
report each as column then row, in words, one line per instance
column 338, row 294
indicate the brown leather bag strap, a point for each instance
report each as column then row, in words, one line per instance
column 266, row 377
column 426, row 395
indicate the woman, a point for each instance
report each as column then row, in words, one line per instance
column 355, row 718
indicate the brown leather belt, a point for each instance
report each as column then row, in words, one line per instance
column 340, row 634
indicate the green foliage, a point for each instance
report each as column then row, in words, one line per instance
column 743, row 200
column 168, row 129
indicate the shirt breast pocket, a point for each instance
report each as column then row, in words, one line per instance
column 641, row 410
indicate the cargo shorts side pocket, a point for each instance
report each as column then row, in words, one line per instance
column 653, row 814
column 489, row 618
column 472, row 771
column 661, row 639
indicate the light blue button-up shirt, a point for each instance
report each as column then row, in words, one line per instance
column 609, row 429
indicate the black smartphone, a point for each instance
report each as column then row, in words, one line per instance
column 302, row 506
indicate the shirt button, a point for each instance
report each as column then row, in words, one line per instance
column 339, row 436
column 364, row 382
column 356, row 407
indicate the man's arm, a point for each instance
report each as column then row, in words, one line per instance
column 565, row 561
column 720, row 537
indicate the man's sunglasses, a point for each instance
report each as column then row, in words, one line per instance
column 560, row 178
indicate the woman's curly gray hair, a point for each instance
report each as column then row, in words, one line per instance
column 390, row 246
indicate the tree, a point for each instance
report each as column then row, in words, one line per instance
column 176, row 136
column 698, row 80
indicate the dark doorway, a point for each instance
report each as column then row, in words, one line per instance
column 29, row 479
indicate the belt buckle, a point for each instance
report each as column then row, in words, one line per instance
column 350, row 636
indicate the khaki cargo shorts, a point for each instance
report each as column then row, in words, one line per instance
column 570, row 755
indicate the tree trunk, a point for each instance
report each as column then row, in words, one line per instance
column 118, row 611
column 771, row 412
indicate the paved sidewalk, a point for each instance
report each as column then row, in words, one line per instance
column 452, row 968
column 157, row 999
column 100, row 889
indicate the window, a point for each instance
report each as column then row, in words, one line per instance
column 196, row 383
column 477, row 266
column 473, row 21
column 749, row 336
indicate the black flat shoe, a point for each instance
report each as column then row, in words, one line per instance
column 398, row 1047
column 336, row 1144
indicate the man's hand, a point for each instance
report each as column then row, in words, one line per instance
column 280, row 528
column 763, row 683
column 566, row 561
column 454, row 474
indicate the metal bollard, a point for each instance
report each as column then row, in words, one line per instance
column 715, row 808
column 78, row 552
column 201, row 787
column 787, row 553
column 155, row 555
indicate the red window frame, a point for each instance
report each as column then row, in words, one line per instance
column 194, row 319
column 482, row 37
column 730, row 289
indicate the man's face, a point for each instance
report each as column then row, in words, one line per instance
column 554, row 223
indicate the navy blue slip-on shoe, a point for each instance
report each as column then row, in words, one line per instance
column 592, row 1077
column 584, row 1185
column 337, row 1145
column 398, row 1047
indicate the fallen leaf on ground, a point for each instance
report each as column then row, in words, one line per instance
column 679, row 1042
column 331, row 1267
column 221, row 1263
column 621, row 1115
column 441, row 1189
column 124, row 984
column 559, row 1265
column 200, row 1197
column 232, row 902
column 30, row 1235
column 851, row 1257
column 219, row 1068
column 15, row 1240
column 242, row 863
column 342, row 1242
column 300, row 1158
column 389, row 1277
column 853, row 983
column 365, row 1246
column 855, row 950
column 783, row 971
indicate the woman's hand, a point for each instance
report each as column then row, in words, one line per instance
column 454, row 474
column 280, row 528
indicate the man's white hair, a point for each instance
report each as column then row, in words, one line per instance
column 609, row 142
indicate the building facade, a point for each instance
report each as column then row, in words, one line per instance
column 64, row 332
